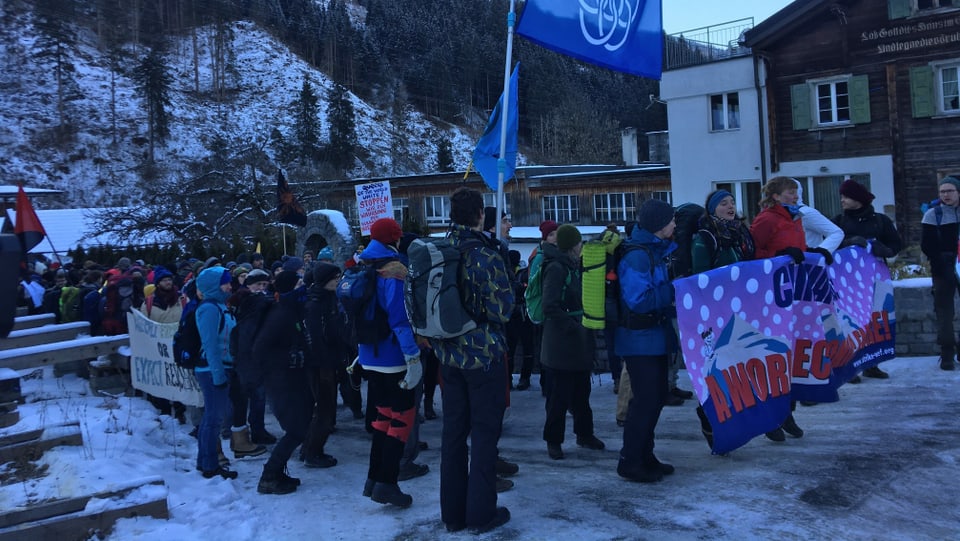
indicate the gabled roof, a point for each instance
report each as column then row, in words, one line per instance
column 68, row 228
column 778, row 25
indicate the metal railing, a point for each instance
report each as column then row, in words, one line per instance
column 706, row 44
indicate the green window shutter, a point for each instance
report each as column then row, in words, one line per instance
column 956, row 3
column 800, row 103
column 899, row 9
column 921, row 92
column 859, row 99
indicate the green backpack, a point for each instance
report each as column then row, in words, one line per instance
column 70, row 304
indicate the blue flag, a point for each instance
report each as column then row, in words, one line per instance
column 623, row 36
column 487, row 153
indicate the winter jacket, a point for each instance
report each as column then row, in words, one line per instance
column 774, row 229
column 327, row 326
column 282, row 343
column 940, row 227
column 214, row 340
column 872, row 226
column 566, row 344
column 710, row 250
column 486, row 294
column 819, row 231
column 157, row 310
column 251, row 312
column 645, row 289
column 388, row 355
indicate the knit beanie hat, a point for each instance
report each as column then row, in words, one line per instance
column 256, row 275
column 952, row 180
column 293, row 264
column 324, row 272
column 123, row 263
column 858, row 192
column 547, row 227
column 567, row 237
column 160, row 273
column 654, row 215
column 326, row 254
column 285, row 282
column 386, row 231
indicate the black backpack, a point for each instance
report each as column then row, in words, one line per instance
column 187, row 346
column 367, row 321
column 687, row 217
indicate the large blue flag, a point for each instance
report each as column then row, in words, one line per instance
column 487, row 153
column 625, row 35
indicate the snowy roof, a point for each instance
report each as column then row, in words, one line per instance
column 68, row 228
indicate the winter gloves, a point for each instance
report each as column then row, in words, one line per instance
column 826, row 254
column 795, row 253
column 414, row 372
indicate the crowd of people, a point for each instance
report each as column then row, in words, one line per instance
column 279, row 335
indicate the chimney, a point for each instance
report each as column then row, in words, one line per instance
column 628, row 139
column 659, row 144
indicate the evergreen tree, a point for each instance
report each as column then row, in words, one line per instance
column 154, row 82
column 444, row 154
column 56, row 43
column 342, row 149
column 306, row 127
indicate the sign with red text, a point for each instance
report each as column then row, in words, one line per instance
column 373, row 202
column 757, row 335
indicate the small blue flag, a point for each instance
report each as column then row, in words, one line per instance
column 487, row 153
column 623, row 36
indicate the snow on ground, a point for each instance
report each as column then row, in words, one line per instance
column 877, row 465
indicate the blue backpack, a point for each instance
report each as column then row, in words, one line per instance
column 367, row 321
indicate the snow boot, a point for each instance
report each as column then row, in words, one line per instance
column 390, row 493
column 241, row 445
column 275, row 482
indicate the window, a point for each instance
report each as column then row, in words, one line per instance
column 401, row 209
column 561, row 208
column 490, row 200
column 899, row 9
column 823, row 192
column 350, row 211
column 833, row 103
column 935, row 89
column 437, row 209
column 836, row 101
column 612, row 207
column 666, row 197
column 725, row 111
column 746, row 194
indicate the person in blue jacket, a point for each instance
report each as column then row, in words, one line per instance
column 392, row 366
column 214, row 322
column 645, row 337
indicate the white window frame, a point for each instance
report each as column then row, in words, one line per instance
column 835, row 109
column 665, row 196
column 726, row 124
column 430, row 214
column 613, row 207
column 401, row 209
column 941, row 92
column 935, row 4
column 490, row 200
column 569, row 213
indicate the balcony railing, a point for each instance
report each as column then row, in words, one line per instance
column 706, row 44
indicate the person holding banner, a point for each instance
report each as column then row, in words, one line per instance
column 721, row 239
column 778, row 230
column 645, row 338
column 938, row 241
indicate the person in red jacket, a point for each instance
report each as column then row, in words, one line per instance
column 778, row 230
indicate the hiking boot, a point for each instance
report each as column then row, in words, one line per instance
column 591, row 442
column 673, row 400
column 321, row 460
column 413, row 471
column 390, row 493
column 946, row 363
column 368, row 488
column 790, row 427
column 222, row 472
column 855, row 379
column 275, row 482
column 638, row 475
column 680, row 393
column 428, row 412
column 523, row 384
column 500, row 517
column 505, row 468
column 503, row 485
column 555, row 451
column 776, row 435
column 654, row 464
column 241, row 445
column 286, row 477
column 262, row 437
column 875, row 372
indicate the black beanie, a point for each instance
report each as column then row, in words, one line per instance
column 285, row 282
column 324, row 272
column 654, row 215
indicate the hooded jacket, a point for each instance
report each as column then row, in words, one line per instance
column 774, row 229
column 567, row 344
column 215, row 341
column 645, row 288
column 388, row 355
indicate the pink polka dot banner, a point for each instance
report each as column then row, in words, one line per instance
column 760, row 334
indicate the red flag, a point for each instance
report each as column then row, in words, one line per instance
column 289, row 209
column 28, row 227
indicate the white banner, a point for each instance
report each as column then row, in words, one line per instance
column 152, row 369
column 373, row 202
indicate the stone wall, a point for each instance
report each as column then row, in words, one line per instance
column 916, row 324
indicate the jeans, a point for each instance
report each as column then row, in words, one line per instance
column 216, row 401
column 648, row 378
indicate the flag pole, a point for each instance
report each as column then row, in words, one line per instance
column 502, row 162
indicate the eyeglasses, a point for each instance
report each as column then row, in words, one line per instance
column 945, row 192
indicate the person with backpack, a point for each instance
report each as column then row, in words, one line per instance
column 214, row 324
column 520, row 330
column 283, row 346
column 391, row 361
column 864, row 227
column 533, row 299
column 567, row 350
column 645, row 336
column 722, row 239
column 472, row 369
column 165, row 305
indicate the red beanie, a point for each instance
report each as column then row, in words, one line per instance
column 386, row 231
column 547, row 227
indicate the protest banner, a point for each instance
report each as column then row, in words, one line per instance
column 759, row 334
column 373, row 202
column 152, row 369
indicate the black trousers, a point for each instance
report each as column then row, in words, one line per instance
column 292, row 405
column 568, row 390
column 944, row 291
column 323, row 388
column 520, row 332
column 648, row 379
column 394, row 420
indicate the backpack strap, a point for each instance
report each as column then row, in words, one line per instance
column 149, row 303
